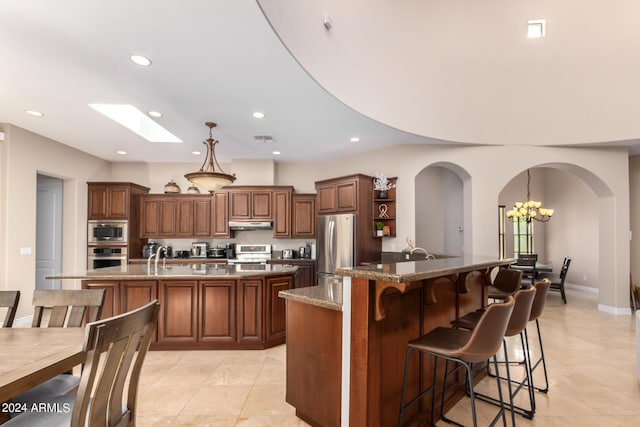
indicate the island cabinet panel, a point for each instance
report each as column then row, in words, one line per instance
column 220, row 222
column 250, row 315
column 276, row 308
column 218, row 311
column 111, row 305
column 177, row 321
column 137, row 293
column 314, row 348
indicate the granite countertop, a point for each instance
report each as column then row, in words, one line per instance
column 327, row 296
column 140, row 272
column 411, row 271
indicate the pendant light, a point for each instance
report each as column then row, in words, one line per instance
column 207, row 178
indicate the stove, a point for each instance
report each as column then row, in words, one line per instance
column 251, row 254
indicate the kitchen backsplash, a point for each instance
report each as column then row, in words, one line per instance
column 264, row 237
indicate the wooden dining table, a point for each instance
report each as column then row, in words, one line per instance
column 30, row 356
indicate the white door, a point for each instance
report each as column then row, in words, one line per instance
column 48, row 231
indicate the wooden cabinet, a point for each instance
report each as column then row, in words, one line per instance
column 343, row 195
column 353, row 194
column 282, row 212
column 108, row 201
column 275, row 326
column 178, row 317
column 384, row 211
column 111, row 305
column 250, row 204
column 303, row 216
column 306, row 273
column 212, row 313
column 175, row 216
column 218, row 311
column 250, row 317
column 220, row 208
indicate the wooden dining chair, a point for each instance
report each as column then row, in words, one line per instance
column 56, row 309
column 115, row 349
column 9, row 300
column 60, row 308
column 528, row 260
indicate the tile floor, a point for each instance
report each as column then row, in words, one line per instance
column 590, row 355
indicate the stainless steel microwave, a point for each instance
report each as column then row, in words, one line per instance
column 107, row 232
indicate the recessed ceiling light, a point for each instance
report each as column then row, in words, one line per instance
column 154, row 113
column 354, row 139
column 196, row 153
column 276, row 153
column 258, row 115
column 134, row 120
column 121, row 152
column 34, row 113
column 536, row 28
column 140, row 60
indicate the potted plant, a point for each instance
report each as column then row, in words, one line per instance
column 381, row 183
column 379, row 227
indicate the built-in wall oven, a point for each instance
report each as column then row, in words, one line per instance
column 107, row 232
column 107, row 256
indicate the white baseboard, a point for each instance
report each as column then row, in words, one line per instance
column 582, row 288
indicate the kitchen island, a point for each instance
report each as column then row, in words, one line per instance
column 202, row 306
column 346, row 342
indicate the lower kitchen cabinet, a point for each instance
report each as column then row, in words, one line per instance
column 250, row 318
column 111, row 305
column 306, row 274
column 218, row 302
column 211, row 314
column 177, row 320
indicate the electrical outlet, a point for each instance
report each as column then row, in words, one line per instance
column 25, row 251
column 584, row 277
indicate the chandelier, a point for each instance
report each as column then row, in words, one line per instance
column 207, row 178
column 530, row 209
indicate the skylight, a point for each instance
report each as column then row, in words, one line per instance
column 136, row 121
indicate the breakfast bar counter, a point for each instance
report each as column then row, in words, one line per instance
column 202, row 306
column 346, row 343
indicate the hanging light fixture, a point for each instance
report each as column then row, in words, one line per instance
column 207, row 178
column 529, row 210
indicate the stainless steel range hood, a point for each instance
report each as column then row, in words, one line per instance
column 250, row 225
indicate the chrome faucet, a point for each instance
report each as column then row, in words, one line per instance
column 427, row 255
column 164, row 260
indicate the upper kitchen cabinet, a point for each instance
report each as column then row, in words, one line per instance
column 347, row 194
column 282, row 211
column 113, row 200
column 303, row 212
column 220, row 222
column 165, row 216
column 250, row 203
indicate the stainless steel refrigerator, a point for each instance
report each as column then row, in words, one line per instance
column 336, row 238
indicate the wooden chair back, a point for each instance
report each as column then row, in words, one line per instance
column 566, row 262
column 115, row 349
column 9, row 300
column 62, row 308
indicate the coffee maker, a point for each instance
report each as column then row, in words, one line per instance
column 199, row 249
column 230, row 251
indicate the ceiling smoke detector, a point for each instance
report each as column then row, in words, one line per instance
column 263, row 138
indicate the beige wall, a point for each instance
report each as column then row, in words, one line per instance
column 25, row 155
column 596, row 178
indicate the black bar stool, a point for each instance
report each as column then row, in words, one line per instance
column 465, row 348
column 516, row 326
column 542, row 287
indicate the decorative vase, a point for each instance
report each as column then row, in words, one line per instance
column 383, row 194
column 379, row 233
column 171, row 188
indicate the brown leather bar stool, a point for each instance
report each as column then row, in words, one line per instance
column 516, row 326
column 465, row 348
column 542, row 287
column 506, row 282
